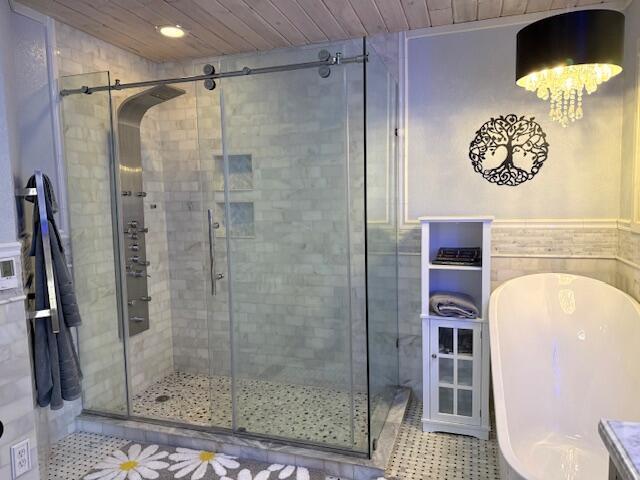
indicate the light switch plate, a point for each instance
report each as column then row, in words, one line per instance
column 20, row 458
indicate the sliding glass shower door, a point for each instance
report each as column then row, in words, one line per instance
column 271, row 250
column 285, row 223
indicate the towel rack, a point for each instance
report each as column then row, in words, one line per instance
column 52, row 311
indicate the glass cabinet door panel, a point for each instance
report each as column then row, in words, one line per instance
column 465, row 373
column 465, row 402
column 445, row 340
column 445, row 403
column 455, row 352
column 445, row 369
column 465, row 341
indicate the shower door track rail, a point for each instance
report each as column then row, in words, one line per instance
column 328, row 61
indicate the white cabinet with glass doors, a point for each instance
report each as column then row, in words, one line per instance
column 456, row 350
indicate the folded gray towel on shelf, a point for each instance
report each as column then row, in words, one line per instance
column 453, row 304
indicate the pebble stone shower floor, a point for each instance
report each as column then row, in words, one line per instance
column 313, row 414
column 416, row 455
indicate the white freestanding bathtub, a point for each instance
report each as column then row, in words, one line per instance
column 565, row 352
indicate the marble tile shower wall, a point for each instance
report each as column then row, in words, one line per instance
column 86, row 123
column 151, row 352
column 291, row 150
column 86, row 152
column 185, row 175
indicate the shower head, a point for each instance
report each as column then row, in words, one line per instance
column 133, row 108
column 164, row 92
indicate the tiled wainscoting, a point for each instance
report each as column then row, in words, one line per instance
column 16, row 387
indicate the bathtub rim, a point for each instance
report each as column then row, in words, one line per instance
column 502, row 432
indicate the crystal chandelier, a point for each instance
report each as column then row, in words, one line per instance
column 561, row 57
column 564, row 86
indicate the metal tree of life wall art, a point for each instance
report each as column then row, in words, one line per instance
column 509, row 150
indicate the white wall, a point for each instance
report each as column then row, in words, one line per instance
column 632, row 51
column 455, row 83
column 16, row 393
column 8, row 138
column 31, row 95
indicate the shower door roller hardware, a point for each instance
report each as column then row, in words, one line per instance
column 324, row 55
column 324, row 71
column 126, row 193
column 134, row 247
column 133, row 224
column 136, row 319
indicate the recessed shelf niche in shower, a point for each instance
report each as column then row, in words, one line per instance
column 130, row 116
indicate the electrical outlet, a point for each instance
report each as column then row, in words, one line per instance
column 20, row 458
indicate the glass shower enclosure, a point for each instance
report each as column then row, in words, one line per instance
column 237, row 267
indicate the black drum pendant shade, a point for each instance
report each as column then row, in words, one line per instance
column 561, row 56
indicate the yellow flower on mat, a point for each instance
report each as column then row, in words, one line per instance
column 198, row 461
column 136, row 464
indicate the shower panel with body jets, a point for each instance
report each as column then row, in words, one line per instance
column 262, row 293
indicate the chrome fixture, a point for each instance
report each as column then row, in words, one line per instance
column 214, row 276
column 130, row 116
column 209, row 78
column 139, row 261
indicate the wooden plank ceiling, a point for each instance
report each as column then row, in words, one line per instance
column 217, row 27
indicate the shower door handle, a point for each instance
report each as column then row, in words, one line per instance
column 212, row 253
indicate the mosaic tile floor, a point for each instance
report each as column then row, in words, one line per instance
column 91, row 456
column 416, row 455
column 440, row 456
column 306, row 413
column 76, row 454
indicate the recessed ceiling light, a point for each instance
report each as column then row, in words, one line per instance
column 171, row 31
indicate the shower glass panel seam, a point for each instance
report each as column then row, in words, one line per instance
column 118, row 234
column 366, row 246
column 348, row 245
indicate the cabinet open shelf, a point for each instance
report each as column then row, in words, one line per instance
column 436, row 266
column 455, row 350
column 433, row 316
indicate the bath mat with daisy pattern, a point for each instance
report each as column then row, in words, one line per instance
column 141, row 461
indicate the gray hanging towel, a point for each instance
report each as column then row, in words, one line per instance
column 56, row 364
